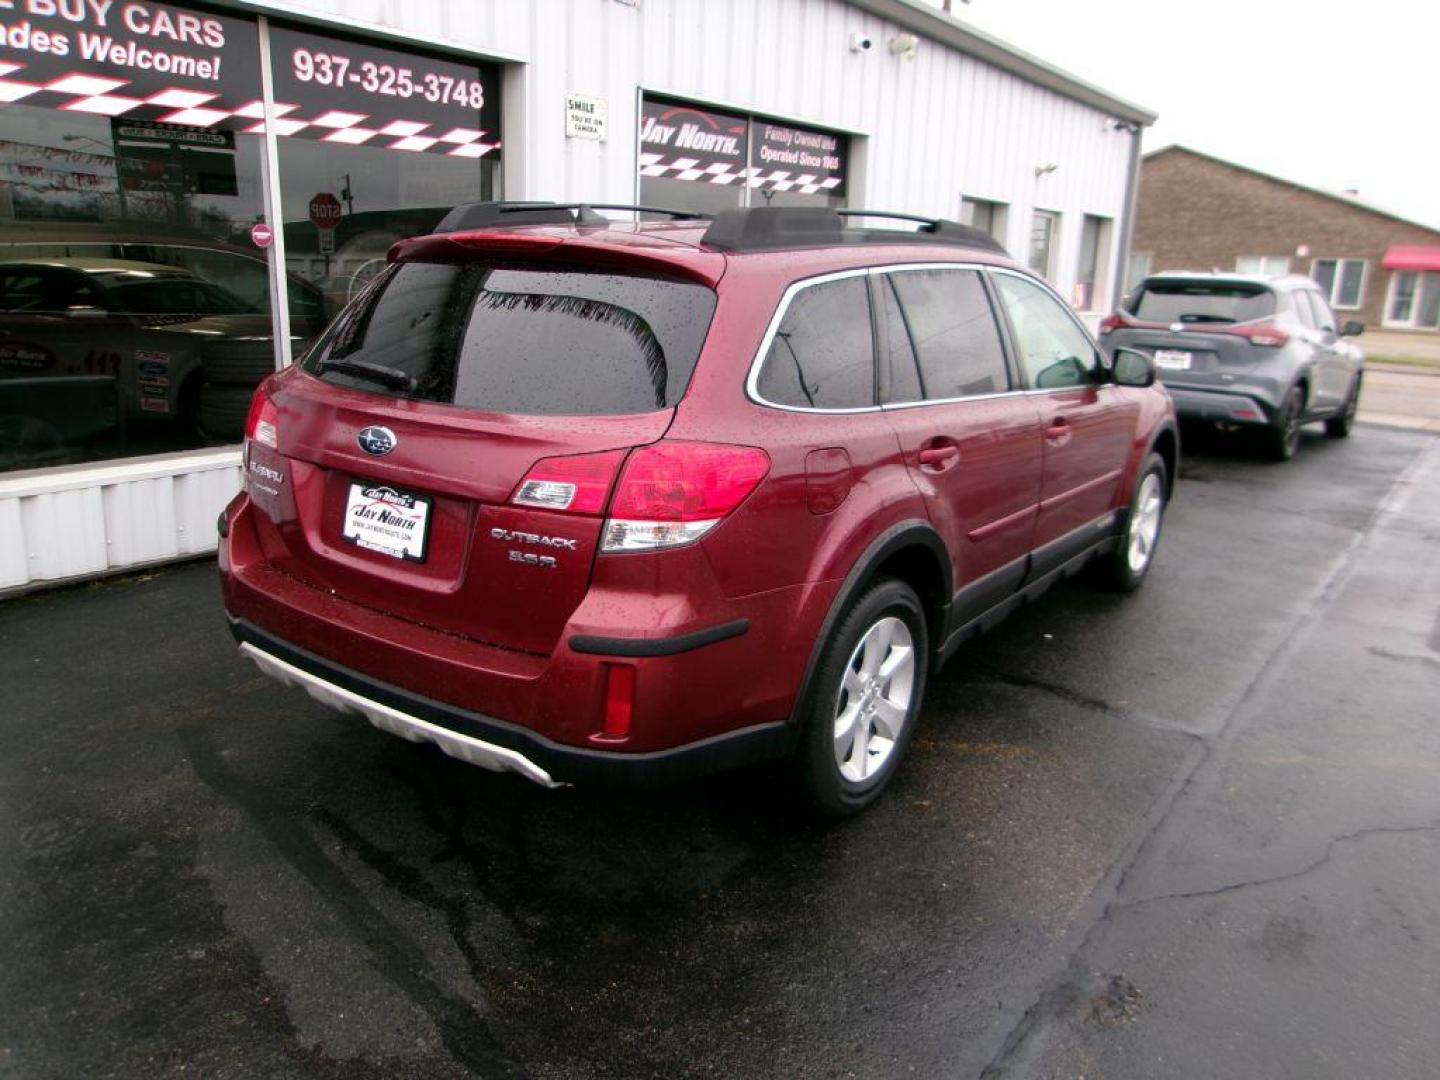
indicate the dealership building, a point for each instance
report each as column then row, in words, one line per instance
column 188, row 193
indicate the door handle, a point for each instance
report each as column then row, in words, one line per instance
column 938, row 454
column 1059, row 431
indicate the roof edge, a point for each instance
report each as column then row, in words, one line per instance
column 931, row 23
column 1334, row 196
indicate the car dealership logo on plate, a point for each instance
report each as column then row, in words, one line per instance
column 377, row 440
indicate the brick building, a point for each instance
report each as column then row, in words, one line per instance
column 1197, row 212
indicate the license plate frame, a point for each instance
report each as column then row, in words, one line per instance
column 1174, row 359
column 382, row 529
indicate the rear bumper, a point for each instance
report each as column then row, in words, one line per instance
column 1235, row 407
column 685, row 643
column 494, row 744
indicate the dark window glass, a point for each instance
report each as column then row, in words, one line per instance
column 1352, row 277
column 823, row 356
column 518, row 340
column 1054, row 352
column 903, row 375
column 1203, row 301
column 953, row 331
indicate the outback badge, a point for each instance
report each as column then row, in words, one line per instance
column 377, row 440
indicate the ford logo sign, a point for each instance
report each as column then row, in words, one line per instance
column 376, row 440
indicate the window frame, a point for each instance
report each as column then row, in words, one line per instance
column 1019, row 384
column 1337, row 281
column 1262, row 272
column 752, row 379
column 1053, row 241
column 999, row 216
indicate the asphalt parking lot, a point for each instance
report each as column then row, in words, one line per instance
column 1191, row 833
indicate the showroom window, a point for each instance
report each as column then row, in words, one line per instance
column 698, row 158
column 378, row 144
column 134, row 311
column 135, row 304
column 1341, row 280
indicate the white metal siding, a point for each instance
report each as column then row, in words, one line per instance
column 931, row 129
column 89, row 520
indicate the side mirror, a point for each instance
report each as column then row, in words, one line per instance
column 1133, row 367
column 1352, row 328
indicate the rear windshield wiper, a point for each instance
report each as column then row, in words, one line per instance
column 363, row 369
column 1192, row 317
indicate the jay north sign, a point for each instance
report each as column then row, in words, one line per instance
column 684, row 142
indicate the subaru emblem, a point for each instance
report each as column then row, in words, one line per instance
column 377, row 440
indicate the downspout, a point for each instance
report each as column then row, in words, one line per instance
column 1127, row 224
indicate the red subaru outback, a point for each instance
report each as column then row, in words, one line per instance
column 594, row 501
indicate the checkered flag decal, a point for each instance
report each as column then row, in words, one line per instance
column 104, row 96
column 685, row 168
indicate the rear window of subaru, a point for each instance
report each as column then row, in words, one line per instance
column 1203, row 301
column 518, row 339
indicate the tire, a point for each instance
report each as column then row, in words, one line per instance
column 1282, row 440
column 1338, row 427
column 223, row 410
column 1124, row 569
column 840, row 776
column 238, row 363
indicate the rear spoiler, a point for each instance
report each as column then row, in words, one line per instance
column 544, row 245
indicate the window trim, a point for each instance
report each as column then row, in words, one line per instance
column 1019, row 383
column 1262, row 272
column 1340, row 262
column 752, row 380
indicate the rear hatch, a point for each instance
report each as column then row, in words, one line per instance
column 1195, row 328
column 402, row 440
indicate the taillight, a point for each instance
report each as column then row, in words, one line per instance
column 1114, row 321
column 261, row 420
column 576, row 485
column 672, row 493
column 1271, row 336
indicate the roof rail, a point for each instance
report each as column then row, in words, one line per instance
column 482, row 215
column 771, row 228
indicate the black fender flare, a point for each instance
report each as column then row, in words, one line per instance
column 1173, row 430
column 902, row 534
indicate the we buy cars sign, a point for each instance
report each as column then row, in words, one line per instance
column 141, row 61
column 325, row 211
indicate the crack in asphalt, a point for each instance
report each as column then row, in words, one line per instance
column 1404, row 658
column 1060, row 987
column 395, row 954
column 1084, row 701
column 1220, row 890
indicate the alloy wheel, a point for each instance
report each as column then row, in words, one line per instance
column 873, row 702
column 1145, row 522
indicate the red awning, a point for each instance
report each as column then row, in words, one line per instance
column 1407, row 257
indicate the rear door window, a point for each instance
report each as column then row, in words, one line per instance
column 1203, row 301
column 518, row 339
column 951, row 327
column 823, row 354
